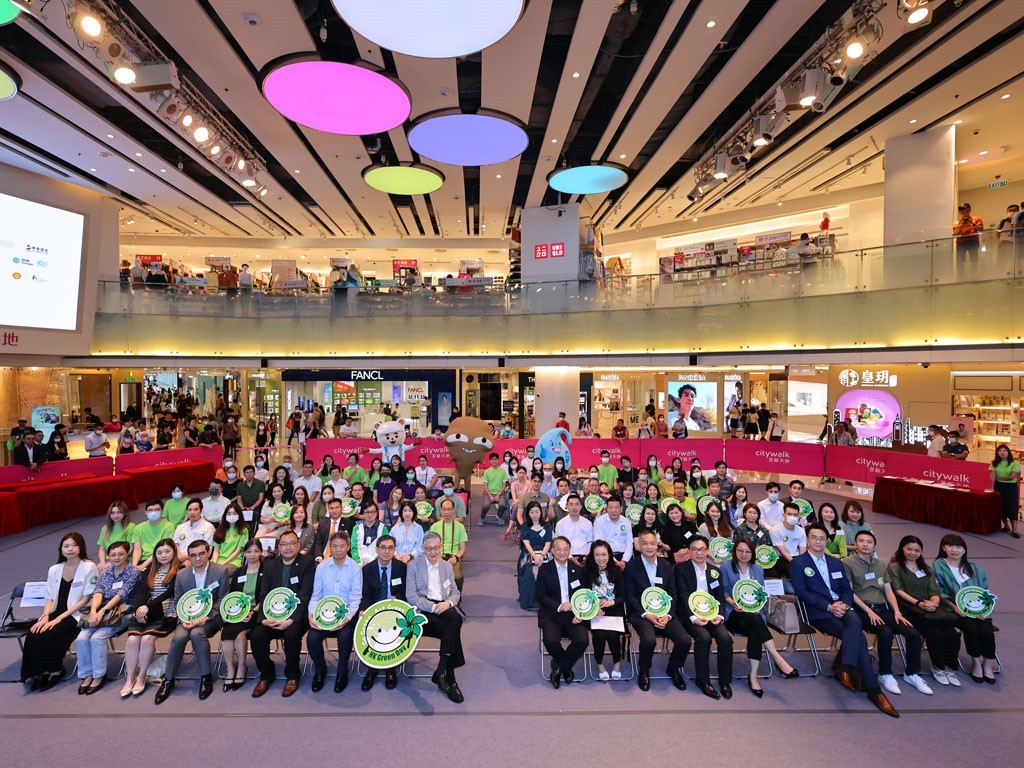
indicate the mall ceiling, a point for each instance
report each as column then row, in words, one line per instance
column 658, row 86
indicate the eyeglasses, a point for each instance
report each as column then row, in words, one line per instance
column 697, row 550
column 432, row 549
column 196, row 555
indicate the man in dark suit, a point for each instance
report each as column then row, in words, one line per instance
column 383, row 579
column 333, row 523
column 642, row 572
column 29, row 453
column 557, row 580
column 295, row 572
column 820, row 581
column 213, row 578
column 698, row 575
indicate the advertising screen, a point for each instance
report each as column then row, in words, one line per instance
column 40, row 265
column 697, row 401
column 871, row 411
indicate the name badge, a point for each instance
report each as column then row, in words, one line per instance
column 247, row 515
column 837, row 575
column 117, row 585
column 544, row 533
column 243, row 579
column 213, row 586
column 920, row 574
column 396, row 582
column 688, row 535
column 712, row 585
column 870, row 576
column 76, row 583
column 574, row 584
column 657, row 579
column 294, row 580
column 760, row 535
column 447, row 584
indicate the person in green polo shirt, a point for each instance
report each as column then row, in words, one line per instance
column 1005, row 473
column 174, row 507
column 495, row 489
column 606, row 473
column 453, row 537
column 353, row 473
column 249, row 493
column 118, row 527
column 146, row 535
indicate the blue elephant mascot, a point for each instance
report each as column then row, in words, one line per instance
column 551, row 446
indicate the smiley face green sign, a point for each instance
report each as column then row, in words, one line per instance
column 975, row 602
column 387, row 633
column 194, row 605
column 584, row 604
column 766, row 556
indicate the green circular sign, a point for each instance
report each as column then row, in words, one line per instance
column 664, row 504
column 424, row 510
column 705, row 502
column 634, row 513
column 720, row 548
column 975, row 602
column 749, row 596
column 329, row 612
column 235, row 607
column 703, row 605
column 282, row 513
column 585, row 604
column 387, row 633
column 594, row 504
column 349, row 506
column 806, row 508
column 194, row 605
column 280, row 604
column 655, row 601
column 766, row 556
column 8, row 12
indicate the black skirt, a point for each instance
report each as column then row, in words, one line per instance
column 45, row 652
column 160, row 628
column 231, row 631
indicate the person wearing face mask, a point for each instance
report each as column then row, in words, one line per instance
column 145, row 536
column 262, row 441
column 262, row 471
column 318, row 510
column 789, row 539
column 194, row 527
column 666, row 485
column 771, row 507
column 383, row 487
column 448, row 492
column 230, row 436
column 550, row 483
column 698, row 486
column 955, row 448
column 606, row 471
column 215, row 504
column 230, row 538
column 96, row 443
column 174, row 507
column 409, row 484
column 626, row 473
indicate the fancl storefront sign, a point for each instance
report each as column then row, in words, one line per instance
column 367, row 376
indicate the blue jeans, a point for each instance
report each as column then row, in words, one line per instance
column 91, row 647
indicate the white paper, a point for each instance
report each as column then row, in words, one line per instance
column 608, row 623
column 247, row 515
column 269, row 544
column 294, row 580
column 774, row 587
column 35, row 595
column 396, row 582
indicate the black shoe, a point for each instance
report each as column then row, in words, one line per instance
column 318, row 681
column 643, row 680
column 51, row 680
column 569, row 676
column 369, row 680
column 677, row 678
column 726, row 691
column 341, row 683
column 205, row 687
column 163, row 691
column 390, row 679
column 36, row 682
column 977, row 679
column 83, row 688
column 94, row 688
column 440, row 681
column 759, row 692
column 708, row 691
column 556, row 679
column 454, row 694
column 792, row 674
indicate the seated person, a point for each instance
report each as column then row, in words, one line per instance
column 876, row 605
column 215, row 504
column 772, row 510
column 365, row 534
column 340, row 576
column 432, row 588
column 789, row 539
column 819, row 580
column 557, row 580
column 495, row 490
column 407, row 533
column 698, row 575
column 194, row 527
column 202, row 574
column 448, row 492
column 330, row 525
column 533, row 493
column 153, row 618
column 676, row 534
column 642, row 572
column 234, row 638
column 427, row 477
column 295, row 572
column 609, row 583
column 146, row 535
column 383, row 579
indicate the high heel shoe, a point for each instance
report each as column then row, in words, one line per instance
column 505, row 535
column 793, row 673
column 759, row 692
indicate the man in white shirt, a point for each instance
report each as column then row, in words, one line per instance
column 776, row 428
column 936, row 442
column 193, row 527
column 312, row 483
column 427, row 477
column 340, row 576
column 214, row 504
column 337, row 482
column 789, row 538
column 347, row 429
column 771, row 508
column 245, row 278
column 613, row 528
column 576, row 528
column 96, row 442
column 286, row 462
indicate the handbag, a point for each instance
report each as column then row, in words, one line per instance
column 681, row 556
column 783, row 616
column 111, row 618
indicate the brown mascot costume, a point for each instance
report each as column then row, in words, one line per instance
column 469, row 441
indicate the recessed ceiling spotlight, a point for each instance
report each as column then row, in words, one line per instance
column 163, row 170
column 913, row 122
column 110, row 135
column 92, row 170
column 575, row 75
column 622, row 157
column 983, row 152
column 554, row 141
column 138, row 154
column 298, row 171
column 1005, row 96
column 498, row 176
column 131, row 170
column 711, row 24
column 963, row 161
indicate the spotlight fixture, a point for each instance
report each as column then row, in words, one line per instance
column 811, row 85
column 10, row 83
column 201, row 134
column 124, row 73
column 767, row 127
column 859, row 44
column 721, row 171
column 787, row 99
column 248, row 179
column 913, row 11
column 739, row 157
column 215, row 148
column 86, row 23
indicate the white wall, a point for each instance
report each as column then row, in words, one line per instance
column 920, row 185
column 557, row 389
column 865, row 224
column 544, row 226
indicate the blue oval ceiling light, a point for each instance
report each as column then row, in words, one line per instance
column 587, row 179
column 484, row 138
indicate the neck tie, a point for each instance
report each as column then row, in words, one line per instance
column 385, row 585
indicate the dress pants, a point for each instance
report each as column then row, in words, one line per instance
column 752, row 625
column 648, row 639
column 315, row 645
column 855, row 648
column 702, row 637
column 200, row 637
column 563, row 659
column 978, row 637
column 885, row 632
column 447, row 627
column 259, row 643
column 939, row 630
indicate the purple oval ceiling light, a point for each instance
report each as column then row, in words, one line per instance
column 333, row 97
column 484, row 138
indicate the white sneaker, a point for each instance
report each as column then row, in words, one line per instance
column 918, row 682
column 940, row 677
column 953, row 679
column 888, row 682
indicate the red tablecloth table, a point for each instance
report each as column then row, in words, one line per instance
column 156, row 482
column 10, row 517
column 79, row 498
column 41, row 481
column 958, row 510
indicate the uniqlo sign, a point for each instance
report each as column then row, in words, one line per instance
column 540, row 251
column 557, row 250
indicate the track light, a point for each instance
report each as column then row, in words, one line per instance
column 721, row 171
column 263, row 191
column 240, row 164
column 859, row 44
column 187, row 119
column 248, row 179
column 201, row 134
column 124, row 73
column 787, row 98
column 739, row 157
column 216, row 148
column 767, row 127
column 86, row 23
column 811, row 86
column 156, row 76
column 914, row 11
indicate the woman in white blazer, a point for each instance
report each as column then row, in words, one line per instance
column 69, row 586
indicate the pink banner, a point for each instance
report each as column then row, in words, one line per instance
column 100, row 466
column 164, row 458
column 807, row 459
column 864, row 465
column 707, row 450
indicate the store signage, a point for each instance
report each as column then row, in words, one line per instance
column 691, row 377
column 609, row 377
column 294, row 284
column 998, row 183
column 467, row 264
column 469, row 282
column 397, row 264
column 149, row 258
column 540, row 251
column 802, row 370
column 341, row 261
column 367, row 376
column 733, row 377
column 195, row 281
column 849, row 377
column 557, row 250
column 130, row 380
column 774, row 237
column 218, row 261
column 554, row 250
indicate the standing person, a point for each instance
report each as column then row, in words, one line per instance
column 954, row 571
column 384, row 579
column 557, row 581
column 117, row 527
column 294, row 425
column 96, row 443
column 57, row 445
column 69, row 587
column 776, row 428
column 495, row 490
column 561, row 423
column 340, row 576
column 262, row 441
column 763, row 418
column 1005, row 230
column 607, row 581
column 966, row 228
column 1005, row 473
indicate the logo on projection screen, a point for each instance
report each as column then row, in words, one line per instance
column 871, row 411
